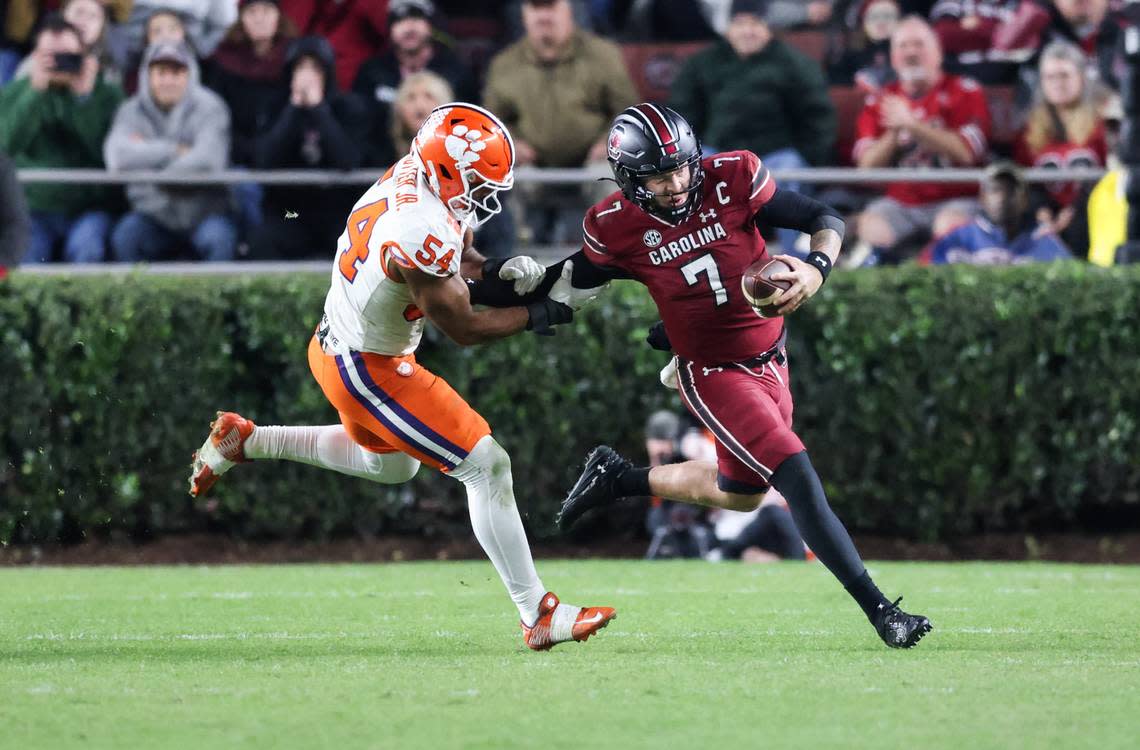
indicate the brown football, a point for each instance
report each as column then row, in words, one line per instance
column 760, row 289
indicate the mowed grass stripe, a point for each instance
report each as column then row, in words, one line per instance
column 429, row 655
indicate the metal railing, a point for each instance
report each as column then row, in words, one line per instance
column 529, row 175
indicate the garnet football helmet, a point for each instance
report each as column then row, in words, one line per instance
column 469, row 158
column 647, row 140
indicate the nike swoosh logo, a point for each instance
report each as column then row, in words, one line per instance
column 596, row 618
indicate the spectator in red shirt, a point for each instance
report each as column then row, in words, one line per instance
column 356, row 29
column 1063, row 130
column 926, row 119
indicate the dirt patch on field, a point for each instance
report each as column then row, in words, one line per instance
column 197, row 549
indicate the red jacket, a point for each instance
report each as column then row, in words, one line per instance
column 357, row 29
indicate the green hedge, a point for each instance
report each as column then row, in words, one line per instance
column 934, row 402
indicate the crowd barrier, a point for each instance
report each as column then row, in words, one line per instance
column 531, row 175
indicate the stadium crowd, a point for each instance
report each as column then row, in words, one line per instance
column 193, row 86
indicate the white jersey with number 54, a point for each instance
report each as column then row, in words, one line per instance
column 399, row 219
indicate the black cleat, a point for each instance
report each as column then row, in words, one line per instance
column 595, row 487
column 897, row 628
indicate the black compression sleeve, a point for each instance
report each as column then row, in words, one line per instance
column 791, row 210
column 494, row 292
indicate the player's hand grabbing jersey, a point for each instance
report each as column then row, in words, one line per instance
column 693, row 269
column 401, row 219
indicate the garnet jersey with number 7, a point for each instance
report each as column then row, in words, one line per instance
column 693, row 269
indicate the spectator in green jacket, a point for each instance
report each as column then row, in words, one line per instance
column 58, row 117
column 752, row 91
column 557, row 89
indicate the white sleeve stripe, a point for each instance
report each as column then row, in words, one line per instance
column 757, row 191
column 591, row 240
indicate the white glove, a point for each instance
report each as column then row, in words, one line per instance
column 566, row 293
column 525, row 271
column 669, row 374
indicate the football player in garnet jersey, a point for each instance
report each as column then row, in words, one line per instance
column 687, row 228
column 402, row 257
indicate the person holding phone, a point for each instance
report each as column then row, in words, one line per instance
column 57, row 117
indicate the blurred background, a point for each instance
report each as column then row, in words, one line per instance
column 174, row 174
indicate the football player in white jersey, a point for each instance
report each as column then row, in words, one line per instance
column 403, row 256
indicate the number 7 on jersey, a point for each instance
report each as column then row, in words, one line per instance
column 706, row 264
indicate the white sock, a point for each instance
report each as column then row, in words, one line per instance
column 486, row 472
column 330, row 447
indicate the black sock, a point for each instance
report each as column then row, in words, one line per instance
column 633, row 482
column 798, row 482
column 864, row 591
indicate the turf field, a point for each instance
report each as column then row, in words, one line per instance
column 429, row 656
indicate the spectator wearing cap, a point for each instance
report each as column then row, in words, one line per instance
column 319, row 127
column 356, row 29
column 57, row 117
column 927, row 119
column 206, row 22
column 1004, row 231
column 863, row 58
column 413, row 48
column 176, row 126
column 752, row 91
column 557, row 89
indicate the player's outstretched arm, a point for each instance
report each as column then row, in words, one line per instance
column 447, row 303
column 522, row 272
column 492, row 291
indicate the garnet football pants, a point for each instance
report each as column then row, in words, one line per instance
column 749, row 412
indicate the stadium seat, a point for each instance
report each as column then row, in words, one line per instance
column 654, row 66
column 848, row 102
column 811, row 42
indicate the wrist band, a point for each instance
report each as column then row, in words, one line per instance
column 820, row 262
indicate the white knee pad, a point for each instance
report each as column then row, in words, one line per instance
column 487, row 462
column 390, row 468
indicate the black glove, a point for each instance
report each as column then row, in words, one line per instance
column 658, row 339
column 547, row 313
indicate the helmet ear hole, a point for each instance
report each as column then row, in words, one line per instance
column 446, row 174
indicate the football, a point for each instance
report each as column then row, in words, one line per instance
column 760, row 289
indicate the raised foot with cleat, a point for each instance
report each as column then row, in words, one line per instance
column 595, row 487
column 899, row 629
column 559, row 623
column 224, row 447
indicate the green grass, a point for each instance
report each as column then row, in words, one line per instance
column 429, row 656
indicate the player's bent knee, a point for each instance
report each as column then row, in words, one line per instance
column 742, row 503
column 391, row 468
column 489, row 458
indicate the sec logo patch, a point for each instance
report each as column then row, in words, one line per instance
column 652, row 238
